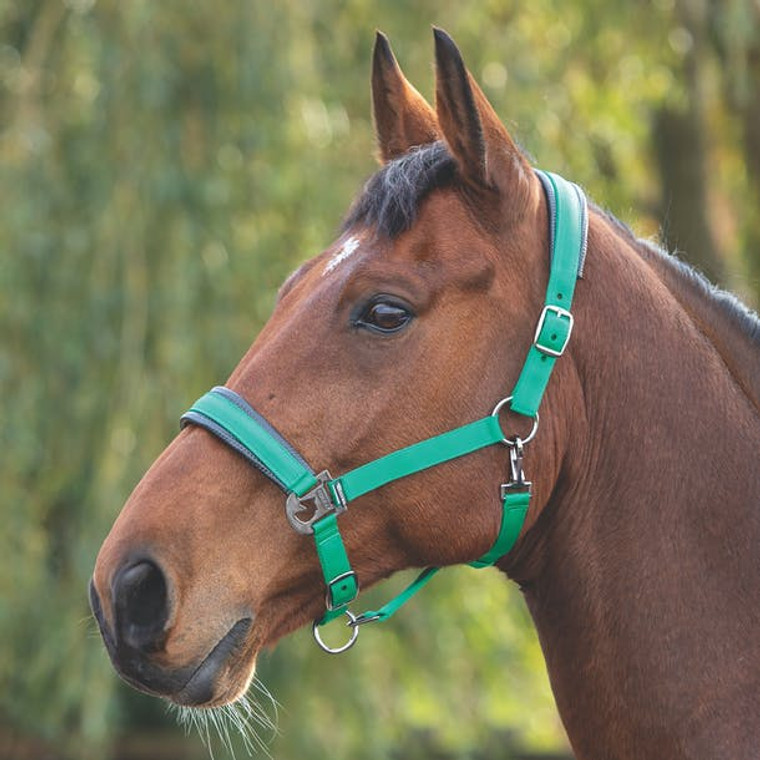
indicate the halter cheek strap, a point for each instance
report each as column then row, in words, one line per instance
column 568, row 234
column 314, row 501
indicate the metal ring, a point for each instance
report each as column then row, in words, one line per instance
column 354, row 634
column 513, row 441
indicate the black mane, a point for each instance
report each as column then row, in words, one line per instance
column 739, row 313
column 745, row 319
column 392, row 196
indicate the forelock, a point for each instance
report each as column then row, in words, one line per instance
column 391, row 198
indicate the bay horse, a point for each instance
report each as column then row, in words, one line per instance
column 639, row 553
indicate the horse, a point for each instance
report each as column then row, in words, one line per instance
column 637, row 549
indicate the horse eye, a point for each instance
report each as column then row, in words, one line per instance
column 385, row 317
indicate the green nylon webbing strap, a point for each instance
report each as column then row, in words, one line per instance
column 513, row 516
column 419, row 456
column 370, row 616
column 568, row 247
column 513, row 513
column 340, row 579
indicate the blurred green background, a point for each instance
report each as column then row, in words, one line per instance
column 163, row 166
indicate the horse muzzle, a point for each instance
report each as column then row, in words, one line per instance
column 137, row 639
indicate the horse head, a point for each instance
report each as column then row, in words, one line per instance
column 416, row 320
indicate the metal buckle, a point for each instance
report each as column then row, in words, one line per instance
column 333, row 581
column 322, row 501
column 562, row 314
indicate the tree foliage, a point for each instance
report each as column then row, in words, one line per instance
column 163, row 167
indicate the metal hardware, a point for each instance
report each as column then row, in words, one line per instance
column 322, row 500
column 363, row 619
column 337, row 489
column 512, row 441
column 334, row 581
column 337, row 650
column 516, row 473
column 562, row 314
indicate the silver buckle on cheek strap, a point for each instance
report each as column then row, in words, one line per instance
column 326, row 497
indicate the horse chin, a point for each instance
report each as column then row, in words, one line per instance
column 225, row 673
column 226, row 691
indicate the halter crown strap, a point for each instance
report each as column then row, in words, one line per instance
column 228, row 416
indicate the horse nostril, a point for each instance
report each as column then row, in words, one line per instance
column 141, row 605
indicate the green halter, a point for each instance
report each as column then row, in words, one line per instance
column 228, row 416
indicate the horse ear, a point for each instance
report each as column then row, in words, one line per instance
column 481, row 145
column 403, row 117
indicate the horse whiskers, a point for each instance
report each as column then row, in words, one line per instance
column 246, row 716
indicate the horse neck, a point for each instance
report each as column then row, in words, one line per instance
column 646, row 588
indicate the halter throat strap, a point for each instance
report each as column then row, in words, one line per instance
column 229, row 417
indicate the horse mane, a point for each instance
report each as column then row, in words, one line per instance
column 739, row 314
column 391, row 198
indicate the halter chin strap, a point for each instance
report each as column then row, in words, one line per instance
column 314, row 501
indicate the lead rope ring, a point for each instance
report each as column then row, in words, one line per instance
column 337, row 650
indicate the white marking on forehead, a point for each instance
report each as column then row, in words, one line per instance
column 346, row 250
